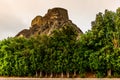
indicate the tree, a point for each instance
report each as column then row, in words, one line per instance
column 103, row 40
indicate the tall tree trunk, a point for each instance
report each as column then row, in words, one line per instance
column 109, row 72
column 51, row 75
column 56, row 75
column 46, row 75
column 40, row 73
column 62, row 75
column 74, row 74
column 36, row 74
column 68, row 75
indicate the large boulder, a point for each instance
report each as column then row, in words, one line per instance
column 55, row 18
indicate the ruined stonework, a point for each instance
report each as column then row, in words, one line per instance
column 54, row 19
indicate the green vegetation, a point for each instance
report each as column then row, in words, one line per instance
column 97, row 51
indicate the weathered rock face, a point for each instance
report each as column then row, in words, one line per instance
column 54, row 19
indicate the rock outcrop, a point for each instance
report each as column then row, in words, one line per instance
column 54, row 19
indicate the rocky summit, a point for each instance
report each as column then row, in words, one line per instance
column 55, row 18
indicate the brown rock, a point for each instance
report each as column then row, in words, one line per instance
column 38, row 20
column 54, row 19
column 24, row 32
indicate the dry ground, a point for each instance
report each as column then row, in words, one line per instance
column 10, row 78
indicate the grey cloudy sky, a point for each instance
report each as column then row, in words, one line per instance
column 16, row 15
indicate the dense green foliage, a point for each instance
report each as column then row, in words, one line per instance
column 102, row 44
column 97, row 51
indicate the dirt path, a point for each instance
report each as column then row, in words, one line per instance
column 2, row 78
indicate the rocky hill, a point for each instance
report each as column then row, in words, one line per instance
column 55, row 18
